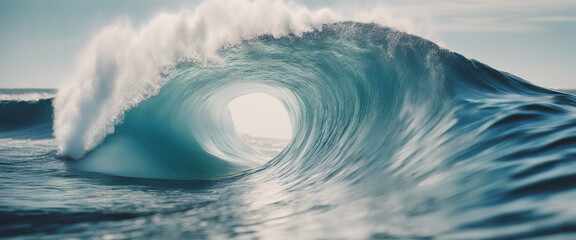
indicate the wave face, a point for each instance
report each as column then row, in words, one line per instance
column 402, row 137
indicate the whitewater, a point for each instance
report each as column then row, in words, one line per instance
column 393, row 136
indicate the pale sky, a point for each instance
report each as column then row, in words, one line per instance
column 533, row 39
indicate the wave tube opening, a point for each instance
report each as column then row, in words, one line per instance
column 182, row 134
column 262, row 122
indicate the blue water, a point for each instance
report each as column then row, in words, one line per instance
column 394, row 137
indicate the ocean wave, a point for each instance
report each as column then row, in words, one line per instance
column 437, row 144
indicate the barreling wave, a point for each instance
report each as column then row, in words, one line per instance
column 123, row 67
column 391, row 115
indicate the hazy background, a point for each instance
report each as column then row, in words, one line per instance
column 535, row 40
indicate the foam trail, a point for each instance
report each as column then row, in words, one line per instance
column 27, row 95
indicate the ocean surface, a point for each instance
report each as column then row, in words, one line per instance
column 393, row 137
